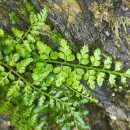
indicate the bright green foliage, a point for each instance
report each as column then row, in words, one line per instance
column 12, row 59
column 61, row 74
column 90, row 78
column 118, row 66
column 41, row 71
column 112, row 78
column 1, row 33
column 100, row 78
column 31, row 87
column 17, row 33
column 108, row 62
column 22, row 65
column 13, row 17
column 41, row 87
column 65, row 52
column 44, row 50
column 83, row 56
column 75, row 77
column 95, row 59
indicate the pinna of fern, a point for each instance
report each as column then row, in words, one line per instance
column 87, row 68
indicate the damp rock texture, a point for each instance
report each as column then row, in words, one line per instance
column 4, row 122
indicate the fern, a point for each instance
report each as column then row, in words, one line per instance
column 22, row 65
column 42, row 87
column 88, row 67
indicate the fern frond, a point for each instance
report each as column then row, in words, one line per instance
column 88, row 67
column 14, row 116
column 42, row 86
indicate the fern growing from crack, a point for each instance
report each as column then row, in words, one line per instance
column 41, row 86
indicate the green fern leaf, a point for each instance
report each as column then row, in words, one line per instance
column 11, row 77
column 4, row 106
column 52, row 103
column 44, row 50
column 90, row 78
column 21, row 66
column 100, row 78
column 112, row 79
column 54, row 55
column 30, row 38
column 41, row 101
column 123, row 80
column 41, row 71
column 83, row 56
column 65, row 52
column 108, row 62
column 118, row 65
column 32, row 120
column 17, row 33
column 1, row 33
column 12, row 59
column 39, row 127
column 57, row 70
column 4, row 78
column 128, row 72
column 95, row 59
column 14, row 118
column 62, row 74
column 2, row 69
column 62, row 55
column 27, row 95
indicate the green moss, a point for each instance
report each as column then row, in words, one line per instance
column 105, row 13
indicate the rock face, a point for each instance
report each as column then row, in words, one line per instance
column 4, row 122
column 87, row 21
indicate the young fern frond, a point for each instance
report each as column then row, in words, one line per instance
column 31, row 95
column 43, row 87
column 88, row 66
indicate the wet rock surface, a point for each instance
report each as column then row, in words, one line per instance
column 4, row 122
